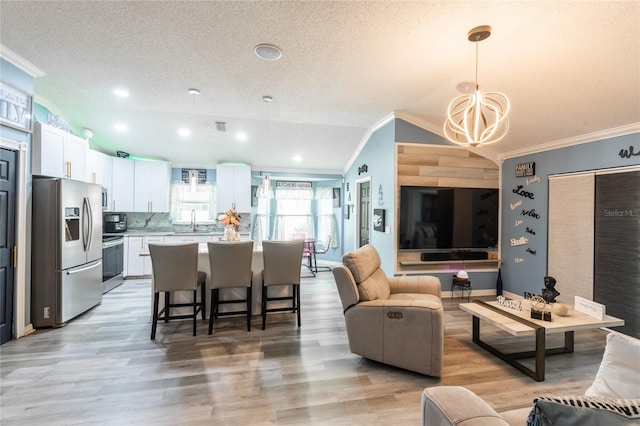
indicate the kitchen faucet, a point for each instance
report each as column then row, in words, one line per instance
column 193, row 220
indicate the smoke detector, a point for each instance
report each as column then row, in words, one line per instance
column 268, row 52
column 221, row 126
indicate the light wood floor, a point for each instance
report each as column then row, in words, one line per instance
column 102, row 369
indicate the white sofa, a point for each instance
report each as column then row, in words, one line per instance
column 614, row 393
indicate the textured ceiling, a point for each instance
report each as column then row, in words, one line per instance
column 570, row 69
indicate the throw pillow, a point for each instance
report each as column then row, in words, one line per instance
column 584, row 411
column 619, row 370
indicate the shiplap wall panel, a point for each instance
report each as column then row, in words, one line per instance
column 431, row 165
column 571, row 233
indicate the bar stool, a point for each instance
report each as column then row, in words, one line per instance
column 175, row 268
column 282, row 263
column 230, row 263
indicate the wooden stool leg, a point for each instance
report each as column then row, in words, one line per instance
column 195, row 310
column 154, row 320
column 264, row 306
column 249, row 308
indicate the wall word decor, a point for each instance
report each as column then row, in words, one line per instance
column 363, row 169
column 529, row 250
column 535, row 179
column 518, row 260
column 531, row 213
column 523, row 193
column 525, row 169
column 519, row 242
column 531, row 231
column 518, row 222
column 515, row 205
column 15, row 107
column 628, row 153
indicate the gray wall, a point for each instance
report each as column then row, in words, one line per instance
column 521, row 270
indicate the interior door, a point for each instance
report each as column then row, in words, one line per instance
column 7, row 240
column 364, row 212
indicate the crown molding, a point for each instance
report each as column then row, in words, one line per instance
column 576, row 140
column 365, row 138
column 20, row 62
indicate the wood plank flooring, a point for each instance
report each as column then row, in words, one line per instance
column 102, row 369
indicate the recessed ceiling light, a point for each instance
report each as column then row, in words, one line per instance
column 121, row 127
column 184, row 132
column 297, row 158
column 241, row 136
column 193, row 91
column 268, row 52
column 121, row 93
column 267, row 98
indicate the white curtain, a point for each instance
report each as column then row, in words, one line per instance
column 293, row 212
column 326, row 219
column 184, row 199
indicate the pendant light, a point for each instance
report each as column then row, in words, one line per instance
column 480, row 118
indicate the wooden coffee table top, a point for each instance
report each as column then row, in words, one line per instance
column 575, row 320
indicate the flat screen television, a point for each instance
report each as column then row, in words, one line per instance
column 448, row 219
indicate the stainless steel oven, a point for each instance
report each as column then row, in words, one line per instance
column 112, row 261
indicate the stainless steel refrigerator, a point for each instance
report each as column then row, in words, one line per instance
column 66, row 250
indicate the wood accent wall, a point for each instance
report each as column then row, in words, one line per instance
column 430, row 165
column 437, row 165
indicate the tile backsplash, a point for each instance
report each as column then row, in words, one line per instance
column 159, row 222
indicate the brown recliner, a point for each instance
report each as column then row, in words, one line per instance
column 394, row 320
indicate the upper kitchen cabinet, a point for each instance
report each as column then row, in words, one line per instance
column 233, row 187
column 57, row 153
column 122, row 189
column 151, row 186
column 100, row 171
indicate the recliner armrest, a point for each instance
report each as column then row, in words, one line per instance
column 425, row 284
column 456, row 405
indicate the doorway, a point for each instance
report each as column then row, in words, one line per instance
column 8, row 162
column 364, row 211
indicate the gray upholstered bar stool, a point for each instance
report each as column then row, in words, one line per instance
column 230, row 263
column 282, row 263
column 175, row 268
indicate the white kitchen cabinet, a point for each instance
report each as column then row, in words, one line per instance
column 122, row 180
column 99, row 168
column 57, row 153
column 137, row 265
column 233, row 187
column 100, row 171
column 151, row 187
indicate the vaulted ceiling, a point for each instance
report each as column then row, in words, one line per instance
column 570, row 68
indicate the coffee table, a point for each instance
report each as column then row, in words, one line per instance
column 520, row 323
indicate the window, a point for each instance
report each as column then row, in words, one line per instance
column 326, row 219
column 186, row 199
column 293, row 210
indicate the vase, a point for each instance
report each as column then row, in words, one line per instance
column 230, row 233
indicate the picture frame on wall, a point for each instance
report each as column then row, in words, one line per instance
column 347, row 208
column 336, row 197
column 378, row 220
column 17, row 107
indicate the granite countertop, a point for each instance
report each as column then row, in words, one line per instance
column 155, row 232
